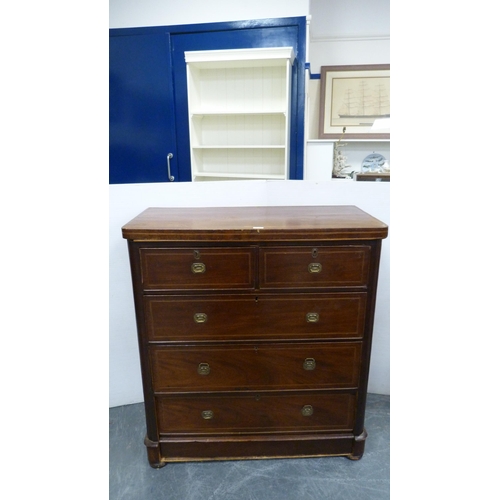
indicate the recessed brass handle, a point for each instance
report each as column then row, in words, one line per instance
column 207, row 414
column 200, row 317
column 314, row 267
column 198, row 267
column 203, row 368
column 309, row 364
column 312, row 317
column 307, row 410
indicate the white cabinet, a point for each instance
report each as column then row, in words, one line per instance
column 239, row 113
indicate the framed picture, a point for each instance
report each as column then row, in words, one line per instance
column 353, row 97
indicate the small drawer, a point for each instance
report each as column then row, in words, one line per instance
column 254, row 412
column 225, row 317
column 271, row 367
column 192, row 268
column 314, row 267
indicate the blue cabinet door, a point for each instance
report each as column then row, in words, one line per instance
column 141, row 119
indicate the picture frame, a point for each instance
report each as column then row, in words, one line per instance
column 351, row 98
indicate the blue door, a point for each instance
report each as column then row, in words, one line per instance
column 141, row 119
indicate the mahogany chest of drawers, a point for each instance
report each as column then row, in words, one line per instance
column 255, row 328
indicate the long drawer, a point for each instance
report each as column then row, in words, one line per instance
column 222, row 317
column 266, row 366
column 197, row 269
column 255, row 412
column 314, row 267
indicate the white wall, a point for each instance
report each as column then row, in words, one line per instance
column 342, row 33
column 130, row 13
column 355, row 32
column 126, row 201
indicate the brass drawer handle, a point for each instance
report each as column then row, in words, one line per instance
column 309, row 364
column 198, row 267
column 314, row 267
column 200, row 317
column 312, row 317
column 207, row 414
column 203, row 368
column 307, row 410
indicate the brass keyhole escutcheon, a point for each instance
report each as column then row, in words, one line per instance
column 200, row 318
column 196, row 254
column 203, row 368
column 207, row 414
column 312, row 317
column 198, row 267
column 309, row 364
column 314, row 267
column 307, row 410
column 314, row 253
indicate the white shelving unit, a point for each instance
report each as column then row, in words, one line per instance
column 239, row 113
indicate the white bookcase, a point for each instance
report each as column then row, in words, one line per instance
column 239, row 113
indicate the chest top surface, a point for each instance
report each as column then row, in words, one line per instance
column 341, row 222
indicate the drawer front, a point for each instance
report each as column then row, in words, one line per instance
column 314, row 267
column 271, row 367
column 236, row 413
column 189, row 268
column 218, row 317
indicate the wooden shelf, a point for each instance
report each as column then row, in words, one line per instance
column 201, row 114
column 240, row 146
column 373, row 177
column 236, row 176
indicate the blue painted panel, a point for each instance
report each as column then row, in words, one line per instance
column 141, row 120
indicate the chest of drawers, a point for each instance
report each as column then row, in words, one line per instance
column 254, row 328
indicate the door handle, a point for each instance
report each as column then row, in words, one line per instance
column 170, row 177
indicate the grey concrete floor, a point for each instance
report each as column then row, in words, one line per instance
column 131, row 477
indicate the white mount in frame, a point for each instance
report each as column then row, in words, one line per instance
column 351, row 99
